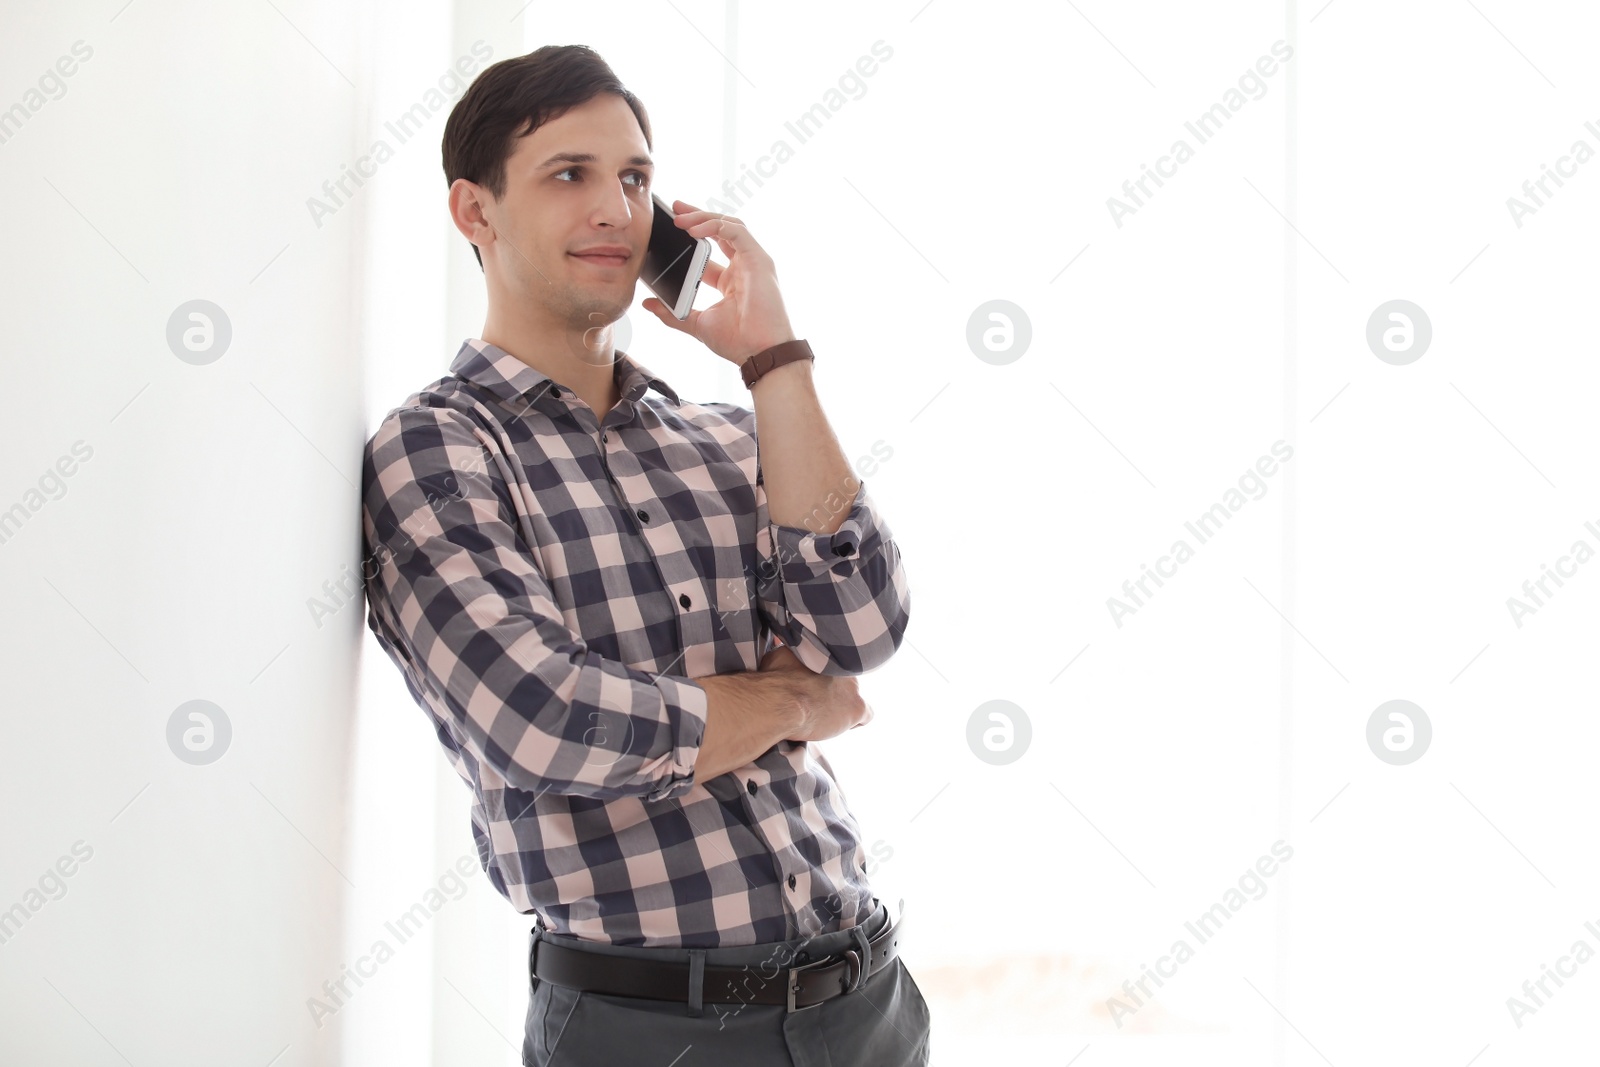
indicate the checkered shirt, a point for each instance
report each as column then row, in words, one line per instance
column 550, row 586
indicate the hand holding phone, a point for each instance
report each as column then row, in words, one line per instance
column 750, row 317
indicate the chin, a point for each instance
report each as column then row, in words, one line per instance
column 596, row 313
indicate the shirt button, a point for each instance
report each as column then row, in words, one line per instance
column 844, row 550
column 644, row 516
column 791, row 881
column 603, row 438
column 683, row 598
column 554, row 391
column 751, row 785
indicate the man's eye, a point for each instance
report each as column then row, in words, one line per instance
column 644, row 179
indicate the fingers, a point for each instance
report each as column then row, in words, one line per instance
column 781, row 658
column 683, row 207
column 659, row 308
column 730, row 235
column 729, row 232
column 712, row 275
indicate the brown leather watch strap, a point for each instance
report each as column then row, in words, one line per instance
column 753, row 368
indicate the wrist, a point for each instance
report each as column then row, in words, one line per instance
column 775, row 358
column 777, row 337
column 791, row 704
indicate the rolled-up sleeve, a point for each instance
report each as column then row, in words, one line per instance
column 464, row 607
column 839, row 600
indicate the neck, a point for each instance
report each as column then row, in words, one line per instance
column 579, row 358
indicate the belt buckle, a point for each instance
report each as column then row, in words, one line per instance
column 794, row 982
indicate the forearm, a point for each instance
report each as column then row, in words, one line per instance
column 802, row 465
column 839, row 595
column 747, row 712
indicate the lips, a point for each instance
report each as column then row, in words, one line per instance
column 605, row 256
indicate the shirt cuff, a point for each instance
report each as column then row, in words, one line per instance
column 686, row 704
column 802, row 554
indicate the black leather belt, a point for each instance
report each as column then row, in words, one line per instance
column 760, row 983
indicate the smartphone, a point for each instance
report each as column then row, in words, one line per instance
column 674, row 261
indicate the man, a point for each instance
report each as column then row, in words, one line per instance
column 582, row 584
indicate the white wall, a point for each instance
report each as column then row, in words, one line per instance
column 176, row 563
column 1168, row 353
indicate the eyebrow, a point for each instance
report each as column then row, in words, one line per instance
column 590, row 157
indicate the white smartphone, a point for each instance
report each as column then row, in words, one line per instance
column 673, row 261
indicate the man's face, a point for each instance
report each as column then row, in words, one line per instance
column 577, row 187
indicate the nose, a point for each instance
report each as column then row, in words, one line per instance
column 613, row 208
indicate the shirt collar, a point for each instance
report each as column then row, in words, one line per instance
column 509, row 378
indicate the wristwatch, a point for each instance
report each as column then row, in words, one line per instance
column 753, row 368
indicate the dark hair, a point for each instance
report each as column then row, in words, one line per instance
column 513, row 98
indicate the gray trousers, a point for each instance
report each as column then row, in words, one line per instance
column 884, row 1022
